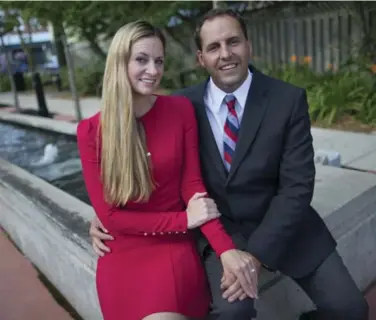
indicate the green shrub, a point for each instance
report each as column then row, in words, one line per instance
column 349, row 91
column 300, row 75
column 88, row 79
column 5, row 85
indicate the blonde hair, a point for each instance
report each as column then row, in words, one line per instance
column 125, row 169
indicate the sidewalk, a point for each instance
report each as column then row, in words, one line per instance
column 64, row 107
column 22, row 294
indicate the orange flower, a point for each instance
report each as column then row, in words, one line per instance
column 293, row 58
column 373, row 68
column 307, row 59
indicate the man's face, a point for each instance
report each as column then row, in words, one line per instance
column 225, row 52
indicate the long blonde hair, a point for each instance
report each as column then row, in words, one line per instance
column 125, row 169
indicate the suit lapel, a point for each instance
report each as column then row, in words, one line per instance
column 253, row 113
column 207, row 139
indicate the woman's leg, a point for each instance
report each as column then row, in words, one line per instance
column 165, row 316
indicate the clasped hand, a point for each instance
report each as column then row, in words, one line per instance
column 240, row 275
column 240, row 269
column 201, row 210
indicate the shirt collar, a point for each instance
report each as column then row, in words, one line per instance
column 217, row 95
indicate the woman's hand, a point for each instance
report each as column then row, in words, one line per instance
column 245, row 268
column 201, row 210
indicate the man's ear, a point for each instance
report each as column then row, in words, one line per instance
column 199, row 58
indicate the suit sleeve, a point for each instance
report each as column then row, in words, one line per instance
column 192, row 182
column 119, row 219
column 290, row 206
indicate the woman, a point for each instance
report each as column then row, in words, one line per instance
column 141, row 169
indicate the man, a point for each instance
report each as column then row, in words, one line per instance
column 257, row 162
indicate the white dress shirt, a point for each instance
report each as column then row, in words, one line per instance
column 217, row 110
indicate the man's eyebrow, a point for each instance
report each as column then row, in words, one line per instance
column 228, row 39
column 233, row 38
column 212, row 43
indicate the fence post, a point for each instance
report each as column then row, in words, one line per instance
column 72, row 79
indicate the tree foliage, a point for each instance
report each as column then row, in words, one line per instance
column 94, row 21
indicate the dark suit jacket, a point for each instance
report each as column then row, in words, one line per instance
column 266, row 196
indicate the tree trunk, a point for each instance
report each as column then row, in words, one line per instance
column 58, row 30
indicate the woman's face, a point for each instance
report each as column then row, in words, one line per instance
column 146, row 65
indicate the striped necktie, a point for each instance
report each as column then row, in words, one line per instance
column 231, row 131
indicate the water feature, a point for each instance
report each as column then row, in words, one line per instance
column 50, row 156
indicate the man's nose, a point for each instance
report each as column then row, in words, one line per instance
column 225, row 52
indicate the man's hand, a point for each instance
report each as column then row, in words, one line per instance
column 243, row 267
column 98, row 234
column 232, row 289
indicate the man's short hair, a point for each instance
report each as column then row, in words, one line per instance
column 220, row 12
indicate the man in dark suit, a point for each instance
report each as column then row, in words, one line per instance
column 257, row 162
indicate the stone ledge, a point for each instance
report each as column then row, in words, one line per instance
column 51, row 228
column 48, row 124
column 46, row 222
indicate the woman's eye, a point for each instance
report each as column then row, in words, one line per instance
column 141, row 60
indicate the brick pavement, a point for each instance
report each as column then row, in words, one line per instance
column 22, row 294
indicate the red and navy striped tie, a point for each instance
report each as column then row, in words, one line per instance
column 231, row 131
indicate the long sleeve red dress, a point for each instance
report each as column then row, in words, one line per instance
column 153, row 265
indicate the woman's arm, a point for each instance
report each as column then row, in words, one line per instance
column 192, row 180
column 116, row 218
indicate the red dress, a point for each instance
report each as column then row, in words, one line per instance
column 153, row 265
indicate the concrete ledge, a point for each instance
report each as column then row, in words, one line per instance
column 51, row 228
column 352, row 146
column 48, row 124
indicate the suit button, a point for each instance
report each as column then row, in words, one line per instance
column 161, row 233
column 177, row 232
column 184, row 232
column 169, row 232
column 145, row 234
column 153, row 233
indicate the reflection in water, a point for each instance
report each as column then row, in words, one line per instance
column 56, row 154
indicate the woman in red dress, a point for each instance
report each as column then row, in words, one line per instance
column 141, row 169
